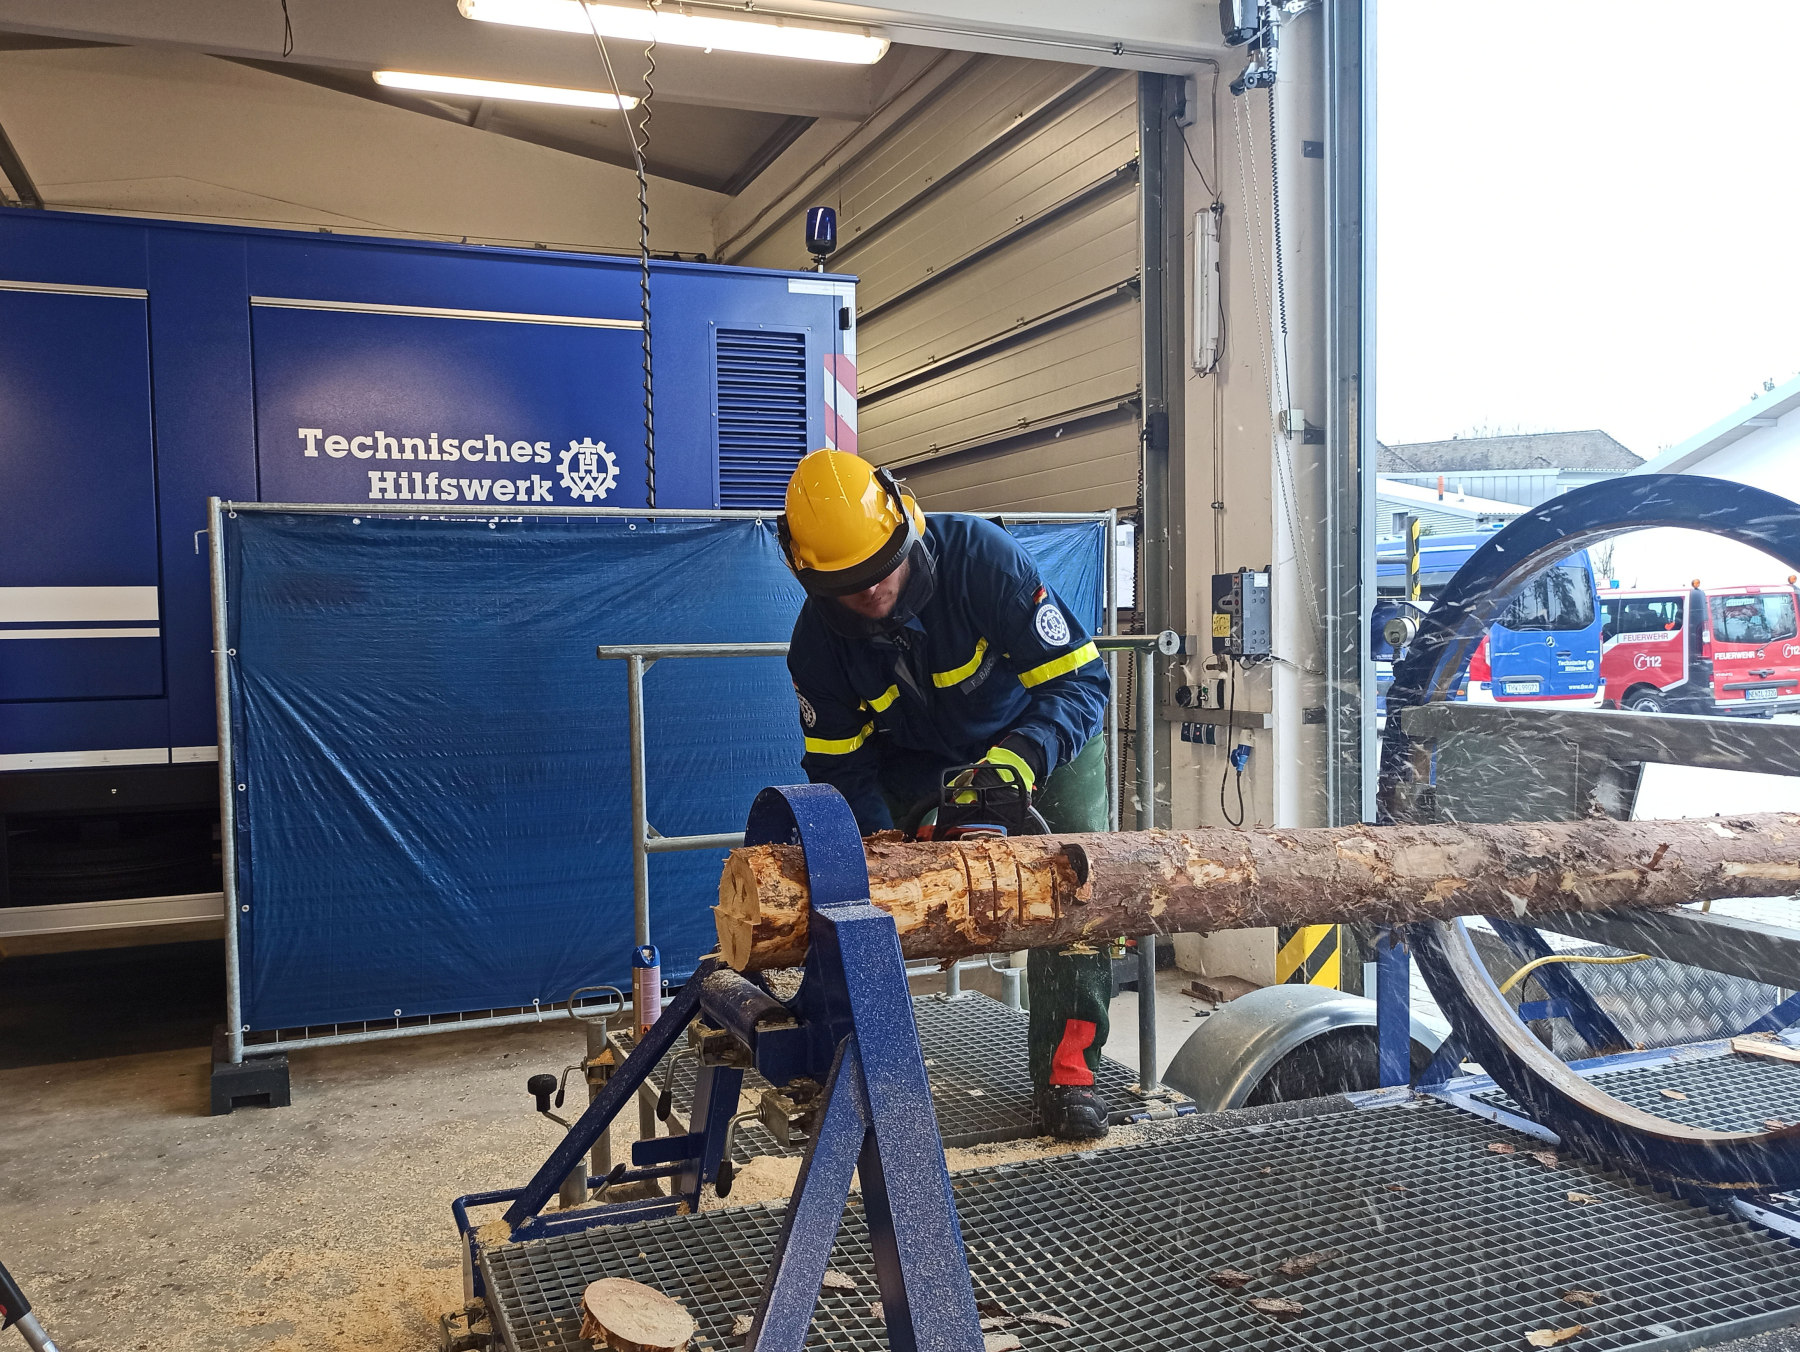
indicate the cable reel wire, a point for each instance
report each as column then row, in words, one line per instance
column 639, row 136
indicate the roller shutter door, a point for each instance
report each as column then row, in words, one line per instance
column 995, row 233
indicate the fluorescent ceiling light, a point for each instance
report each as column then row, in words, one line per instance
column 683, row 27
column 501, row 89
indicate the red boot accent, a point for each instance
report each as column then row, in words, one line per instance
column 1069, row 1066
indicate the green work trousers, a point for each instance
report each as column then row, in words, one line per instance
column 1070, row 992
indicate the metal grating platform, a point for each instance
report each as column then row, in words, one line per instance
column 1445, row 1247
column 980, row 1087
column 1724, row 1092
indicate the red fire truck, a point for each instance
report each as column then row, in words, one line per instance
column 1702, row 650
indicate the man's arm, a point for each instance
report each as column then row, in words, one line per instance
column 1048, row 651
column 839, row 733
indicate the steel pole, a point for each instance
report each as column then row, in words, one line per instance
column 234, row 987
column 1146, row 821
column 640, row 816
column 640, row 854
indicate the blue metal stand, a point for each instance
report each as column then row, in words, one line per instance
column 850, row 1029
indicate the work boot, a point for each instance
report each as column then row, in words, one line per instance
column 1072, row 1112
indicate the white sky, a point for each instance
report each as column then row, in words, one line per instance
column 1589, row 214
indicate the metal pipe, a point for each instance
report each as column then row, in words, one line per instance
column 640, row 826
column 234, row 987
column 656, row 652
column 410, row 1030
column 1146, row 820
column 1109, row 576
column 953, row 980
column 617, row 513
column 723, row 840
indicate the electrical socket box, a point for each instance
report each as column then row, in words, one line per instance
column 1241, row 625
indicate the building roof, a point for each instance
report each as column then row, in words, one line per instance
column 1734, row 426
column 1587, row 450
column 1417, row 497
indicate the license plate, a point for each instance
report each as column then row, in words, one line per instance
column 1767, row 692
column 1519, row 687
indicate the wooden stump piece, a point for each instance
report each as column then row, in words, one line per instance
column 631, row 1317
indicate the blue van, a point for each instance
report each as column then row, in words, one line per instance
column 1545, row 647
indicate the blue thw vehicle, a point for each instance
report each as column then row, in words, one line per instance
column 1543, row 650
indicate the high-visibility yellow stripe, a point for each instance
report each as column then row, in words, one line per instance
column 1060, row 666
column 885, row 698
column 966, row 670
column 841, row 746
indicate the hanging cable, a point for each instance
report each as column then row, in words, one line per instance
column 1231, row 766
column 639, row 136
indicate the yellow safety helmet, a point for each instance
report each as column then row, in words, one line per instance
column 847, row 524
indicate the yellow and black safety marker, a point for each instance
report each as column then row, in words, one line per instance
column 1309, row 955
column 1413, row 588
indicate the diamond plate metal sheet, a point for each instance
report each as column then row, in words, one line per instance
column 1655, row 1003
column 980, row 1085
column 1718, row 1092
column 1442, row 1246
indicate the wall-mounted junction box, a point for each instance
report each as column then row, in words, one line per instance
column 1241, row 625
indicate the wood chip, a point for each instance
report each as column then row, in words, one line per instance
column 1551, row 1337
column 1583, row 1198
column 876, row 1313
column 1276, row 1307
column 996, row 1321
column 1053, row 1321
column 628, row 1316
column 992, row 1309
column 1231, row 1279
column 741, row 1324
column 1000, row 1342
column 1499, row 1148
column 1305, row 1264
column 838, row 1281
column 1397, row 1187
column 1773, row 1051
column 1775, row 1124
column 1548, row 1158
column 1580, row 1297
column 1668, row 1094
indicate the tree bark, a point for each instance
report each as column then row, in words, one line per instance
column 950, row 899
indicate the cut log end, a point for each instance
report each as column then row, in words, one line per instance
column 628, row 1316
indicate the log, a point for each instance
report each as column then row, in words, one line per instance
column 631, row 1317
column 951, row 899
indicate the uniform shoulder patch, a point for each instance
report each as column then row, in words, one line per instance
column 1051, row 626
column 808, row 714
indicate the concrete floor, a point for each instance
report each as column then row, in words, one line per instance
column 134, row 1221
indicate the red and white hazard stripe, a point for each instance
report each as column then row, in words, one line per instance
column 840, row 402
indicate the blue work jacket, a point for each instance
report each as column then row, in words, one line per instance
column 993, row 652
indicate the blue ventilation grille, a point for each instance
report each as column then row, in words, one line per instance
column 762, row 384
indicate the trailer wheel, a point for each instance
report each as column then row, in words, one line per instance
column 1645, row 699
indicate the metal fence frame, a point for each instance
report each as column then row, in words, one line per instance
column 646, row 840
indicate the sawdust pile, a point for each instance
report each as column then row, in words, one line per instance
column 771, row 1178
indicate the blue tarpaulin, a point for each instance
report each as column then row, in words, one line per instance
column 433, row 792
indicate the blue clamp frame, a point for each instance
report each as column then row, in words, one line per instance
column 850, row 1027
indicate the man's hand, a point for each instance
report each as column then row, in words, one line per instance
column 989, row 797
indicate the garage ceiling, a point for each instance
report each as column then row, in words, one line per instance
column 718, row 118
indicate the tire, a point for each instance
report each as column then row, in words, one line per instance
column 1645, row 699
column 1341, row 1061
